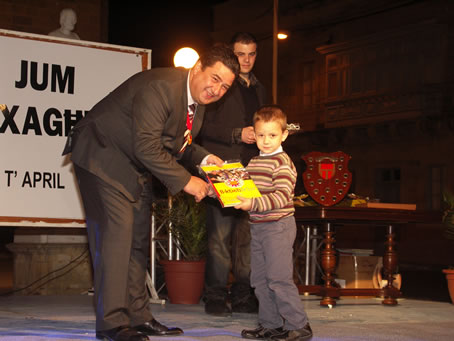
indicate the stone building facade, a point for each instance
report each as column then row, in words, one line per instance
column 373, row 79
column 43, row 16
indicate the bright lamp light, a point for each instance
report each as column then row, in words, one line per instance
column 282, row 35
column 185, row 57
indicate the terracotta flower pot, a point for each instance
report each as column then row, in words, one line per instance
column 450, row 278
column 184, row 280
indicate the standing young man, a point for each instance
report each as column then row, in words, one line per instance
column 227, row 132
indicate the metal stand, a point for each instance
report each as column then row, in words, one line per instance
column 316, row 243
column 154, row 295
column 308, row 249
column 171, row 250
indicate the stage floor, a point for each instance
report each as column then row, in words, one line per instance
column 69, row 318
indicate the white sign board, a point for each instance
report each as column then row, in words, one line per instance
column 48, row 84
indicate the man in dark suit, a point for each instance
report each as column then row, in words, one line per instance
column 144, row 127
column 227, row 131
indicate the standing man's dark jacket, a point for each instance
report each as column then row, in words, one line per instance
column 224, row 120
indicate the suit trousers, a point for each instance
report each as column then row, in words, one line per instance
column 119, row 238
column 228, row 247
column 272, row 274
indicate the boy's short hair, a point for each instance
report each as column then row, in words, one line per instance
column 271, row 112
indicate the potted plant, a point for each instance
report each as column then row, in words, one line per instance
column 185, row 278
column 448, row 221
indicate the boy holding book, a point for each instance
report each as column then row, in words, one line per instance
column 273, row 232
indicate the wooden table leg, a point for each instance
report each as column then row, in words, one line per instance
column 389, row 268
column 328, row 264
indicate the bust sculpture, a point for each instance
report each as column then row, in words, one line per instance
column 68, row 20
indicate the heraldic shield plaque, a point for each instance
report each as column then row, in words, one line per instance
column 327, row 178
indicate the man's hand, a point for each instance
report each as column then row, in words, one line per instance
column 214, row 160
column 245, row 204
column 211, row 192
column 197, row 187
column 248, row 135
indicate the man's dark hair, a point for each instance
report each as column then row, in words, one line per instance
column 244, row 38
column 221, row 53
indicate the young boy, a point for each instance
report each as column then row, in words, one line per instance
column 273, row 231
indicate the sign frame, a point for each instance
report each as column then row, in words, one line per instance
column 142, row 61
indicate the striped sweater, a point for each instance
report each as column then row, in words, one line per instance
column 275, row 177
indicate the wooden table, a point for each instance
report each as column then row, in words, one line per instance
column 330, row 217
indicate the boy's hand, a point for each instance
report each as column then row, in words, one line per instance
column 245, row 204
column 215, row 160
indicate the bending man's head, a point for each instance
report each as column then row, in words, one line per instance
column 213, row 74
column 220, row 53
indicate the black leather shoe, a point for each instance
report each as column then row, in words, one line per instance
column 217, row 307
column 302, row 334
column 154, row 328
column 261, row 333
column 121, row 334
column 248, row 304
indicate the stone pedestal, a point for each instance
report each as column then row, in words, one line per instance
column 51, row 268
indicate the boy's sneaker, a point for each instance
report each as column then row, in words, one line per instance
column 301, row 334
column 261, row 333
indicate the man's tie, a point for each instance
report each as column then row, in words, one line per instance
column 187, row 133
column 190, row 118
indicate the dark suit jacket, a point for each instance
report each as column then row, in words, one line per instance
column 138, row 130
column 222, row 118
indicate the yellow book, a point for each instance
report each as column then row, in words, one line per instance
column 229, row 181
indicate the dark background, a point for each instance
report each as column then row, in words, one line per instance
column 163, row 27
